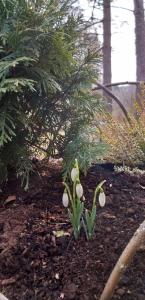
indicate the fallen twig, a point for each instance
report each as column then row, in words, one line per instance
column 123, row 262
column 2, row 297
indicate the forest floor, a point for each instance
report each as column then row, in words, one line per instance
column 39, row 259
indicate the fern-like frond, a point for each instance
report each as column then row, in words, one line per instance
column 16, row 85
column 47, row 81
column 6, row 64
column 7, row 128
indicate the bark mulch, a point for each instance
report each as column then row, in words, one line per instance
column 39, row 258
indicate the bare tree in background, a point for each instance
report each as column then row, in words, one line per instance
column 107, row 75
column 140, row 39
column 106, row 5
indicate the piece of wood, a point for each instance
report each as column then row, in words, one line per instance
column 123, row 262
column 2, row 297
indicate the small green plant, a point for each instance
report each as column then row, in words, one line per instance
column 73, row 200
column 90, row 215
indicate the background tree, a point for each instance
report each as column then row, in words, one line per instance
column 107, row 74
column 139, row 39
column 106, row 21
column 107, row 71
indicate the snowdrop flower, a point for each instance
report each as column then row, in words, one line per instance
column 102, row 199
column 79, row 190
column 65, row 200
column 74, row 174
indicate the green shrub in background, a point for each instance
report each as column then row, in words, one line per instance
column 45, row 100
column 87, row 150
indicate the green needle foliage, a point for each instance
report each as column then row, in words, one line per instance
column 45, row 95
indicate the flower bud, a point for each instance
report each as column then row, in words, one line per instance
column 102, row 199
column 65, row 200
column 79, row 190
column 74, row 174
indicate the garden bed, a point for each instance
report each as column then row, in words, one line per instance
column 39, row 259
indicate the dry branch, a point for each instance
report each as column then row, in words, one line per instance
column 119, row 83
column 115, row 98
column 123, row 262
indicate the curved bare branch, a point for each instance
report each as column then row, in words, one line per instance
column 115, row 98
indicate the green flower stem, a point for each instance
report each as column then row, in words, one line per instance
column 74, row 188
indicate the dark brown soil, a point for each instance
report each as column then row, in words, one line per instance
column 34, row 264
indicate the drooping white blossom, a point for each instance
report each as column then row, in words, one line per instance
column 79, row 190
column 74, row 174
column 84, row 199
column 65, row 199
column 102, row 199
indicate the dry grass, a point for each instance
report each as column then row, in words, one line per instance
column 126, row 142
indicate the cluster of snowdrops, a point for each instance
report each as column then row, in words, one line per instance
column 73, row 200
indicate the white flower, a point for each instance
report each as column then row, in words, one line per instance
column 79, row 190
column 65, row 200
column 102, row 199
column 74, row 174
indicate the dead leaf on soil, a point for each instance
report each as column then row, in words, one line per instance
column 60, row 233
column 70, row 290
column 108, row 216
column 10, row 198
column 8, row 281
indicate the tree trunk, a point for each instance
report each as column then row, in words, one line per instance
column 107, row 42
column 139, row 39
column 107, row 75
